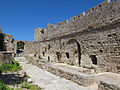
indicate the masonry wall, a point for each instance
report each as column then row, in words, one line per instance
column 97, row 16
column 76, row 49
column 6, row 48
column 91, row 40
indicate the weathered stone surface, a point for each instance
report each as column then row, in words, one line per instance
column 6, row 48
column 90, row 41
column 77, row 77
column 106, row 86
column 6, row 57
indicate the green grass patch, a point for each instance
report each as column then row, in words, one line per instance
column 15, row 66
column 28, row 86
column 4, row 86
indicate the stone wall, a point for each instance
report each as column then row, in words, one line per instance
column 92, row 41
column 97, row 48
column 97, row 16
column 6, row 57
column 8, row 41
column 108, row 86
column 6, row 48
column 38, row 34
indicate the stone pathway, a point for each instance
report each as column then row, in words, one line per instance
column 49, row 81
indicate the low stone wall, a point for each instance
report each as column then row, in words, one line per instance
column 6, row 57
column 80, row 78
column 108, row 86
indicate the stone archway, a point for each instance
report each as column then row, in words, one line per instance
column 20, row 47
column 74, row 41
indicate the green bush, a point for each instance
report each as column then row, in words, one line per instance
column 15, row 66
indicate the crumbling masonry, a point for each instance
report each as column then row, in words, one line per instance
column 90, row 40
column 87, row 40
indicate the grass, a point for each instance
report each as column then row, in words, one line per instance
column 88, row 67
column 4, row 86
column 15, row 66
column 30, row 87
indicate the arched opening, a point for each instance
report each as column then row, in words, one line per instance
column 94, row 59
column 67, row 55
column 58, row 56
column 78, row 49
column 20, row 48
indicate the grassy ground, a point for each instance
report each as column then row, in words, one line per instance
column 15, row 81
column 15, row 66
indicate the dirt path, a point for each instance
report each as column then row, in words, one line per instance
column 47, row 80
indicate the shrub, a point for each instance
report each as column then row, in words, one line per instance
column 15, row 66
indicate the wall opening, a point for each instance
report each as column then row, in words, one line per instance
column 94, row 59
column 58, row 56
column 20, row 48
column 48, row 47
column 48, row 59
column 67, row 55
column 43, row 53
column 78, row 49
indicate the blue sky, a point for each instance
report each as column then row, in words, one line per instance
column 20, row 17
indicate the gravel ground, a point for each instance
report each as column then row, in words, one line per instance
column 49, row 81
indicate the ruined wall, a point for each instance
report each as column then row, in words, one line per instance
column 97, row 16
column 8, row 41
column 39, row 34
column 6, row 48
column 83, row 48
column 92, row 40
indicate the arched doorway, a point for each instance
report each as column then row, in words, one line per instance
column 78, row 51
column 20, row 48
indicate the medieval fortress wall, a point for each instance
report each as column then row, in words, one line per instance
column 99, row 15
column 87, row 40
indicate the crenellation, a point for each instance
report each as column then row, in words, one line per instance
column 50, row 25
column 97, row 16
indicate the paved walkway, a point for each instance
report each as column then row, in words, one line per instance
column 49, row 81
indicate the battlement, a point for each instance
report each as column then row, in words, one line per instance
column 98, row 15
column 78, row 17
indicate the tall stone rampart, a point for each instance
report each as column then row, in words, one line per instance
column 91, row 40
column 97, row 16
